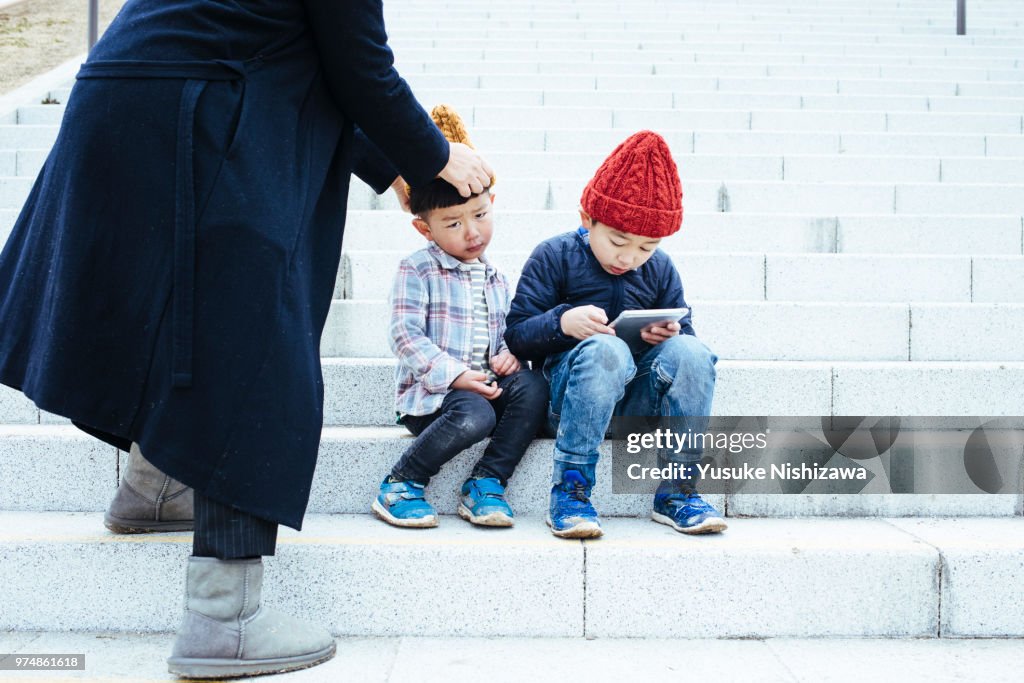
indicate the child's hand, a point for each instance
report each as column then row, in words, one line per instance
column 585, row 321
column 655, row 334
column 504, row 364
column 474, row 381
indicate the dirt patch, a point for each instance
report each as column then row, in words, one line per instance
column 37, row 35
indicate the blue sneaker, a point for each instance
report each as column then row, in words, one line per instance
column 401, row 503
column 686, row 512
column 483, row 503
column 570, row 514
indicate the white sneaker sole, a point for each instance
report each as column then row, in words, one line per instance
column 708, row 526
column 581, row 530
column 188, row 667
column 427, row 522
column 498, row 519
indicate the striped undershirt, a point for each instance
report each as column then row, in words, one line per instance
column 481, row 337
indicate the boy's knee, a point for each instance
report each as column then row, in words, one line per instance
column 608, row 352
column 685, row 355
column 474, row 417
column 530, row 387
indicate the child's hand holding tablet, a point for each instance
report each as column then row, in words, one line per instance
column 651, row 326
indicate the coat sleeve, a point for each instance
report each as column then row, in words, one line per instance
column 429, row 364
column 533, row 328
column 359, row 70
column 671, row 295
column 372, row 167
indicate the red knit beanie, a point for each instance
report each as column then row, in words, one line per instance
column 637, row 189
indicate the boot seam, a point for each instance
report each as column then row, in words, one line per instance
column 241, row 621
column 160, row 497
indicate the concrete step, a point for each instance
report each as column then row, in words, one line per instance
column 807, row 168
column 141, row 658
column 772, row 277
column 787, row 330
column 353, row 460
column 916, row 578
column 360, row 391
column 769, row 233
column 743, row 196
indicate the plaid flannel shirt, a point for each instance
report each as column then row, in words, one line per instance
column 432, row 325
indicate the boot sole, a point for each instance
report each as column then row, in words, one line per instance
column 119, row 525
column 582, row 530
column 186, row 667
column 416, row 523
column 496, row 519
column 710, row 526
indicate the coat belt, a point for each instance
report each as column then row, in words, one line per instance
column 196, row 75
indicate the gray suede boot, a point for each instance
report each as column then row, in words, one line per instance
column 227, row 633
column 148, row 500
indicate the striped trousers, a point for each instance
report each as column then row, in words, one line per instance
column 227, row 533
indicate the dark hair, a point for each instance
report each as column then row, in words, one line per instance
column 438, row 194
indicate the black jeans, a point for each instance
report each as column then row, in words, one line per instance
column 227, row 533
column 466, row 418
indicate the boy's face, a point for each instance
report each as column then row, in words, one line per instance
column 618, row 252
column 464, row 231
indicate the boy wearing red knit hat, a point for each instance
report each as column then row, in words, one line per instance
column 571, row 287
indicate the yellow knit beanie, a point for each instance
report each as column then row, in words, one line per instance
column 454, row 130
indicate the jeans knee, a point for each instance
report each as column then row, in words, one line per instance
column 686, row 356
column 474, row 418
column 609, row 353
column 530, row 388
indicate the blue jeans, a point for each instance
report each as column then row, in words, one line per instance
column 600, row 378
column 512, row 421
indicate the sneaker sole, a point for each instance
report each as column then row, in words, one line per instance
column 119, row 525
column 418, row 523
column 186, row 667
column 581, row 530
column 498, row 519
column 709, row 526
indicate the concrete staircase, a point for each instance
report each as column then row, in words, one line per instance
column 853, row 244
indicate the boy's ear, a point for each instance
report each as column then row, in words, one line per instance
column 492, row 197
column 422, row 227
column 586, row 220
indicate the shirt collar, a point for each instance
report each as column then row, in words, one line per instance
column 449, row 262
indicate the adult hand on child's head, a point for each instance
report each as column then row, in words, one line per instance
column 467, row 171
column 504, row 364
column 585, row 321
column 474, row 381
column 657, row 333
column 403, row 198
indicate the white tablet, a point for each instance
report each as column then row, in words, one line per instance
column 630, row 323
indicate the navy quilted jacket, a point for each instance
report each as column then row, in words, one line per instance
column 563, row 273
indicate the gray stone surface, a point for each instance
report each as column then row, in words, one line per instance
column 928, row 388
column 913, row 661
column 58, row 468
column 930, row 234
column 872, row 505
column 982, row 574
column 999, row 279
column 762, row 578
column 996, row 332
column 15, row 408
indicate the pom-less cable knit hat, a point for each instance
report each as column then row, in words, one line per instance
column 637, row 188
column 453, row 129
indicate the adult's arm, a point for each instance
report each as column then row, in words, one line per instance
column 359, row 70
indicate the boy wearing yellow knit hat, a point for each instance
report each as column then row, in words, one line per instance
column 571, row 287
column 457, row 382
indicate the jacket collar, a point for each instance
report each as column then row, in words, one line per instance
column 449, row 262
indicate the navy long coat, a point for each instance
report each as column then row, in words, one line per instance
column 169, row 277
